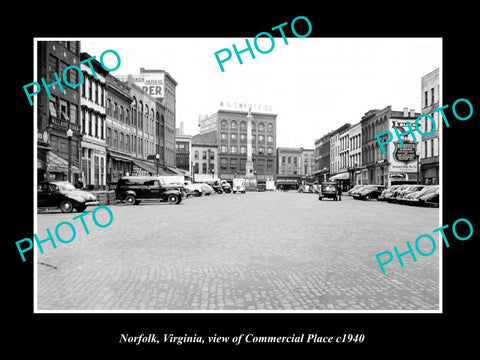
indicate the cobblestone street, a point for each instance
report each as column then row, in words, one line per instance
column 253, row 251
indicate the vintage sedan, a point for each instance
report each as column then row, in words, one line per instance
column 63, row 195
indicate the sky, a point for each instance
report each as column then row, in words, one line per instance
column 314, row 85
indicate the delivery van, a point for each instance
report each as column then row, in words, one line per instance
column 238, row 185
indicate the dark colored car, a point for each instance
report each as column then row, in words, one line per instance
column 356, row 192
column 63, row 195
column 431, row 199
column 226, row 187
column 133, row 189
column 261, row 187
column 329, row 189
column 370, row 192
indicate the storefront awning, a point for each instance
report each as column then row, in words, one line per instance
column 176, row 171
column 341, row 176
column 151, row 168
column 56, row 163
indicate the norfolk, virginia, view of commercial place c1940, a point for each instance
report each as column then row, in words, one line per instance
column 258, row 188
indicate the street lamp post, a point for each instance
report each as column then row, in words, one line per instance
column 157, row 157
column 69, row 136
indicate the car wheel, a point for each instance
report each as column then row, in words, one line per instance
column 197, row 193
column 173, row 199
column 319, row 198
column 66, row 206
column 367, row 197
column 130, row 200
column 81, row 208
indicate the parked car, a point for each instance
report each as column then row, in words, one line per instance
column 133, row 189
column 356, row 193
column 226, row 186
column 350, row 191
column 195, row 189
column 387, row 193
column 414, row 197
column 401, row 194
column 238, row 185
column 431, row 199
column 261, row 187
column 329, row 189
column 207, row 189
column 370, row 192
column 63, row 195
column 396, row 191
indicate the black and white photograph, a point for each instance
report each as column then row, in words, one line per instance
column 259, row 188
column 291, row 180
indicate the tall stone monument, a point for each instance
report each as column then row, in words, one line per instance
column 250, row 177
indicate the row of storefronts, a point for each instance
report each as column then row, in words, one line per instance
column 104, row 128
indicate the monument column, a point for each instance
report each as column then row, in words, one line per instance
column 250, row 179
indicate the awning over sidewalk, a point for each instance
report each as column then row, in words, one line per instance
column 341, row 176
column 151, row 168
column 56, row 163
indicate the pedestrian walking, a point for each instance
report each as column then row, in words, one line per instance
column 340, row 191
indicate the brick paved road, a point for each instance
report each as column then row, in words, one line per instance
column 254, row 251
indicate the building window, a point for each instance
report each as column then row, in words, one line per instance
column 233, row 137
column 294, row 160
column 90, row 126
column 243, row 138
column 432, row 147
column 204, row 155
column 243, row 126
column 269, row 127
column 433, row 95
column 261, row 166
column 254, row 150
column 261, row 150
column 261, row 138
column 223, row 148
column 196, row 168
column 254, row 139
column 233, row 125
column 96, row 92
column 195, row 155
column 269, row 151
column 261, row 127
column 90, row 89
column 253, row 127
column 233, row 164
column 223, row 125
column 223, row 163
column 289, row 160
column 212, row 155
column 127, row 143
column 109, row 136
column 204, row 168
column 73, row 114
column 96, row 126
column 121, row 141
column 283, row 159
column 270, row 139
column 223, row 136
column 243, row 149
column 233, row 149
column 242, row 166
column 426, row 98
column 115, row 135
column 269, row 165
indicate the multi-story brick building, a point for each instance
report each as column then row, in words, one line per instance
column 58, row 154
column 119, row 127
column 322, row 158
column 355, row 153
column 204, row 161
column 429, row 151
column 398, row 162
column 231, row 133
column 93, row 152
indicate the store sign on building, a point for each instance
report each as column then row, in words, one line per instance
column 244, row 106
column 403, row 158
column 152, row 83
